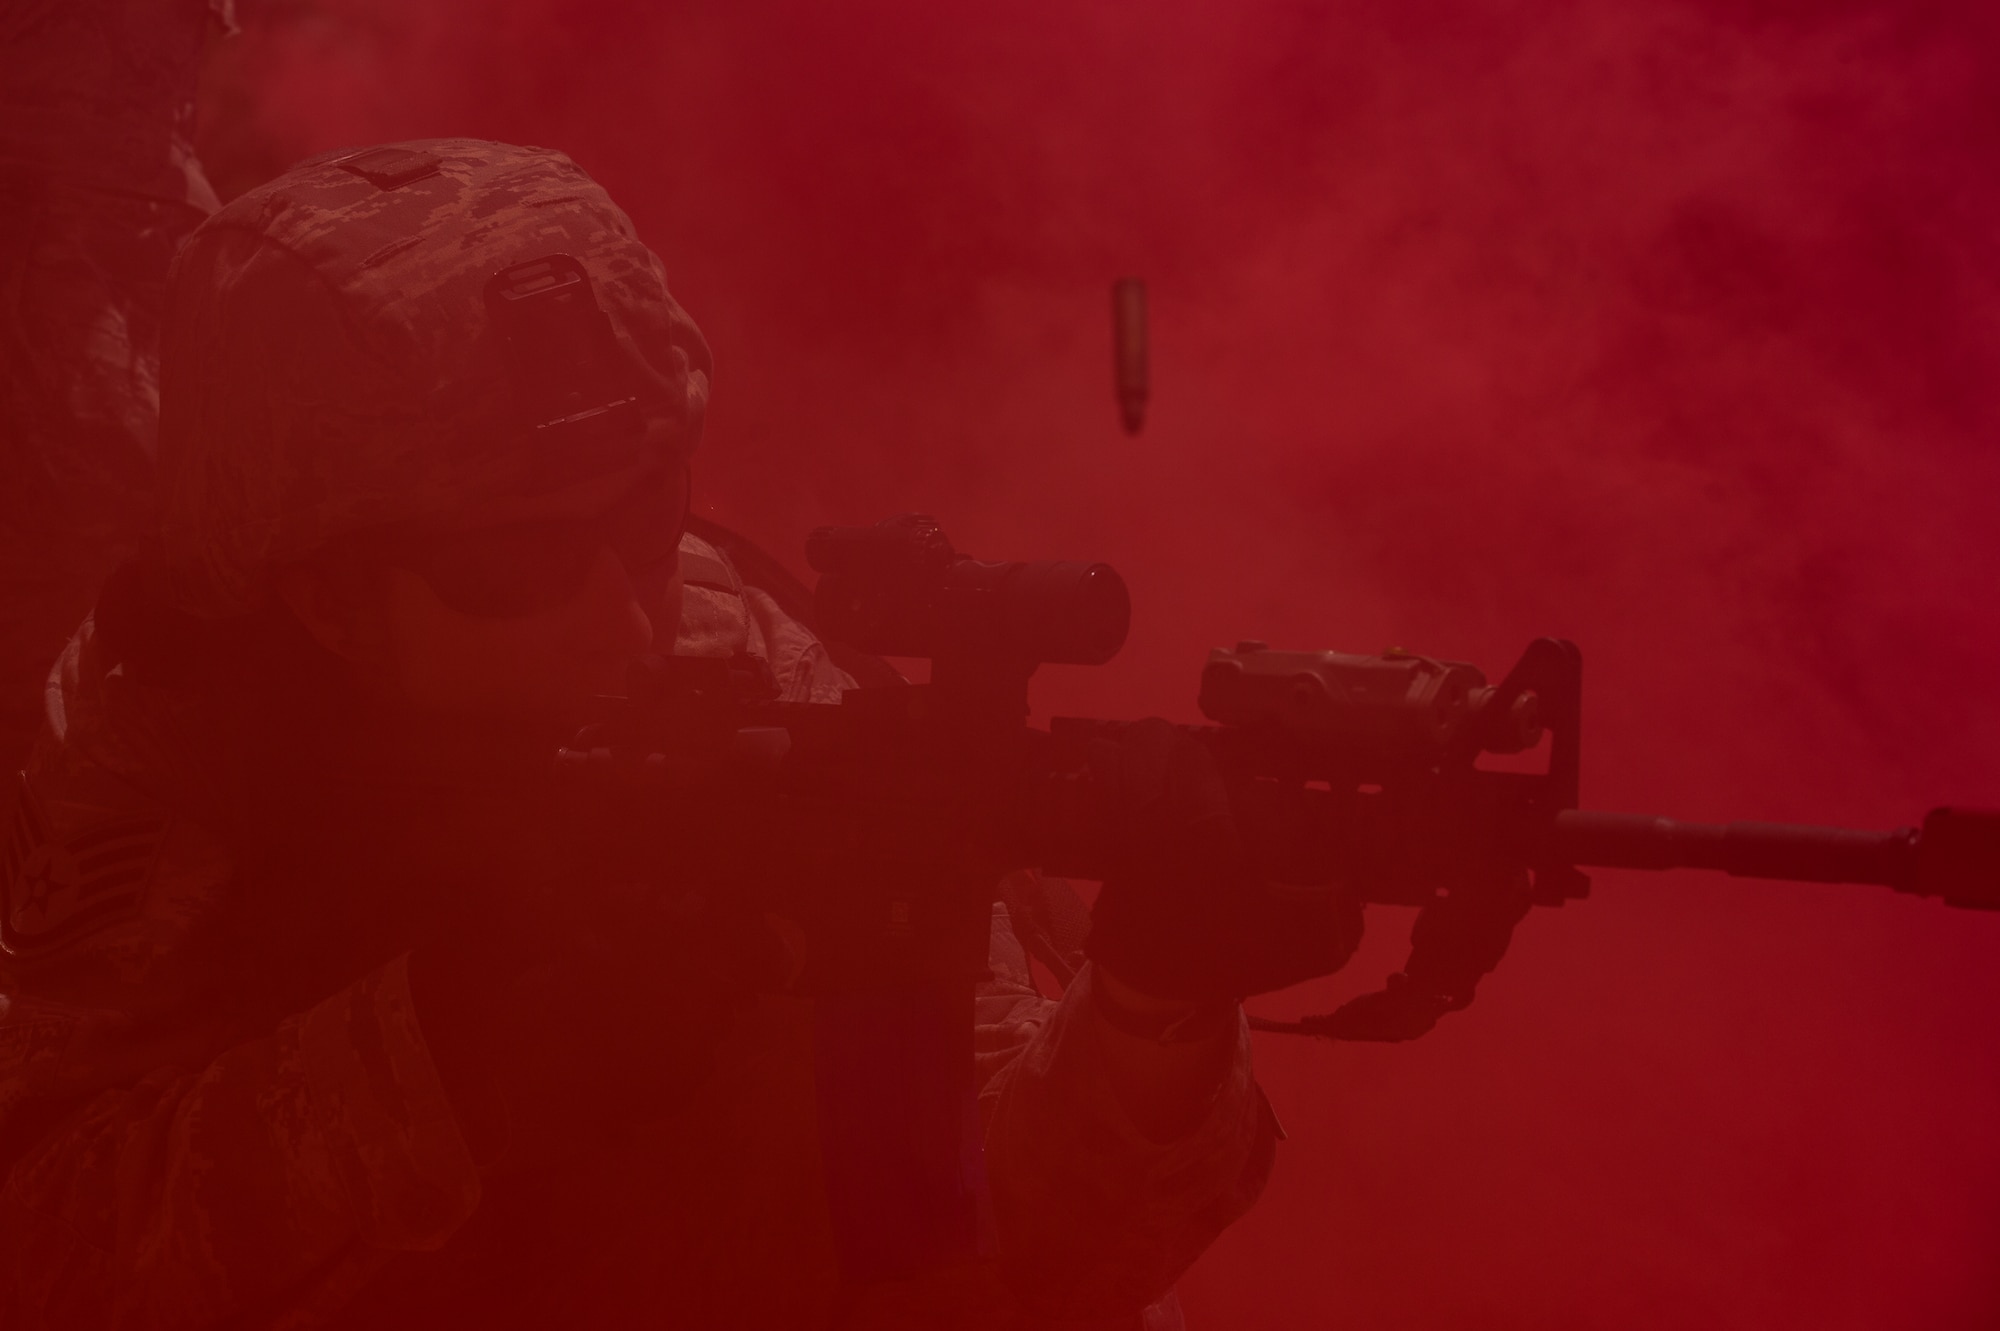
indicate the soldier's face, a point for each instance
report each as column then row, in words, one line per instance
column 442, row 659
column 532, row 616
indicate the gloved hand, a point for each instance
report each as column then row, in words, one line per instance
column 1186, row 915
column 552, row 1024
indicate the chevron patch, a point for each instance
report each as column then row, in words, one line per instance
column 57, row 889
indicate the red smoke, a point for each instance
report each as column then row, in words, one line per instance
column 1668, row 327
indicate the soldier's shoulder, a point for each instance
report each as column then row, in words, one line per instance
column 100, row 885
column 101, row 889
column 706, row 565
column 101, row 878
column 758, row 610
column 714, row 619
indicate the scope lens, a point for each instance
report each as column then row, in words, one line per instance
column 1106, row 614
column 1067, row 613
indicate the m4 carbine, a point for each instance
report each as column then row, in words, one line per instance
column 879, row 825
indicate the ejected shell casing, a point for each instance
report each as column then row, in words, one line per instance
column 1128, row 332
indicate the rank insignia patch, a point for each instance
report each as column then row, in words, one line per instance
column 55, row 889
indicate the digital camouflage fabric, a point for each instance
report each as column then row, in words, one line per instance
column 329, row 364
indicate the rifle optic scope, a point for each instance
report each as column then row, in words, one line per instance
column 899, row 589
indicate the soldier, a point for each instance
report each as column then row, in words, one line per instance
column 314, row 1018
column 98, row 185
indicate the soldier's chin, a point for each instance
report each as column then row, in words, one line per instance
column 581, row 699
column 609, row 676
column 514, row 703
column 575, row 702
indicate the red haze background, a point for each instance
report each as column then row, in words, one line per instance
column 1669, row 327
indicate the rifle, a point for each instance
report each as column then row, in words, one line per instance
column 875, row 830
column 880, row 825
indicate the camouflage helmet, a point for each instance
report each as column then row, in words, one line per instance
column 433, row 332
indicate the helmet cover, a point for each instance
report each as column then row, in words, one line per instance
column 335, row 358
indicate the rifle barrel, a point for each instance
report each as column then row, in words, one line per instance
column 1744, row 850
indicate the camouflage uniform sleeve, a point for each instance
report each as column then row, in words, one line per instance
column 1095, row 1218
column 199, row 1193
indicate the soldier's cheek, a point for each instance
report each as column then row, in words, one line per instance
column 611, row 623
